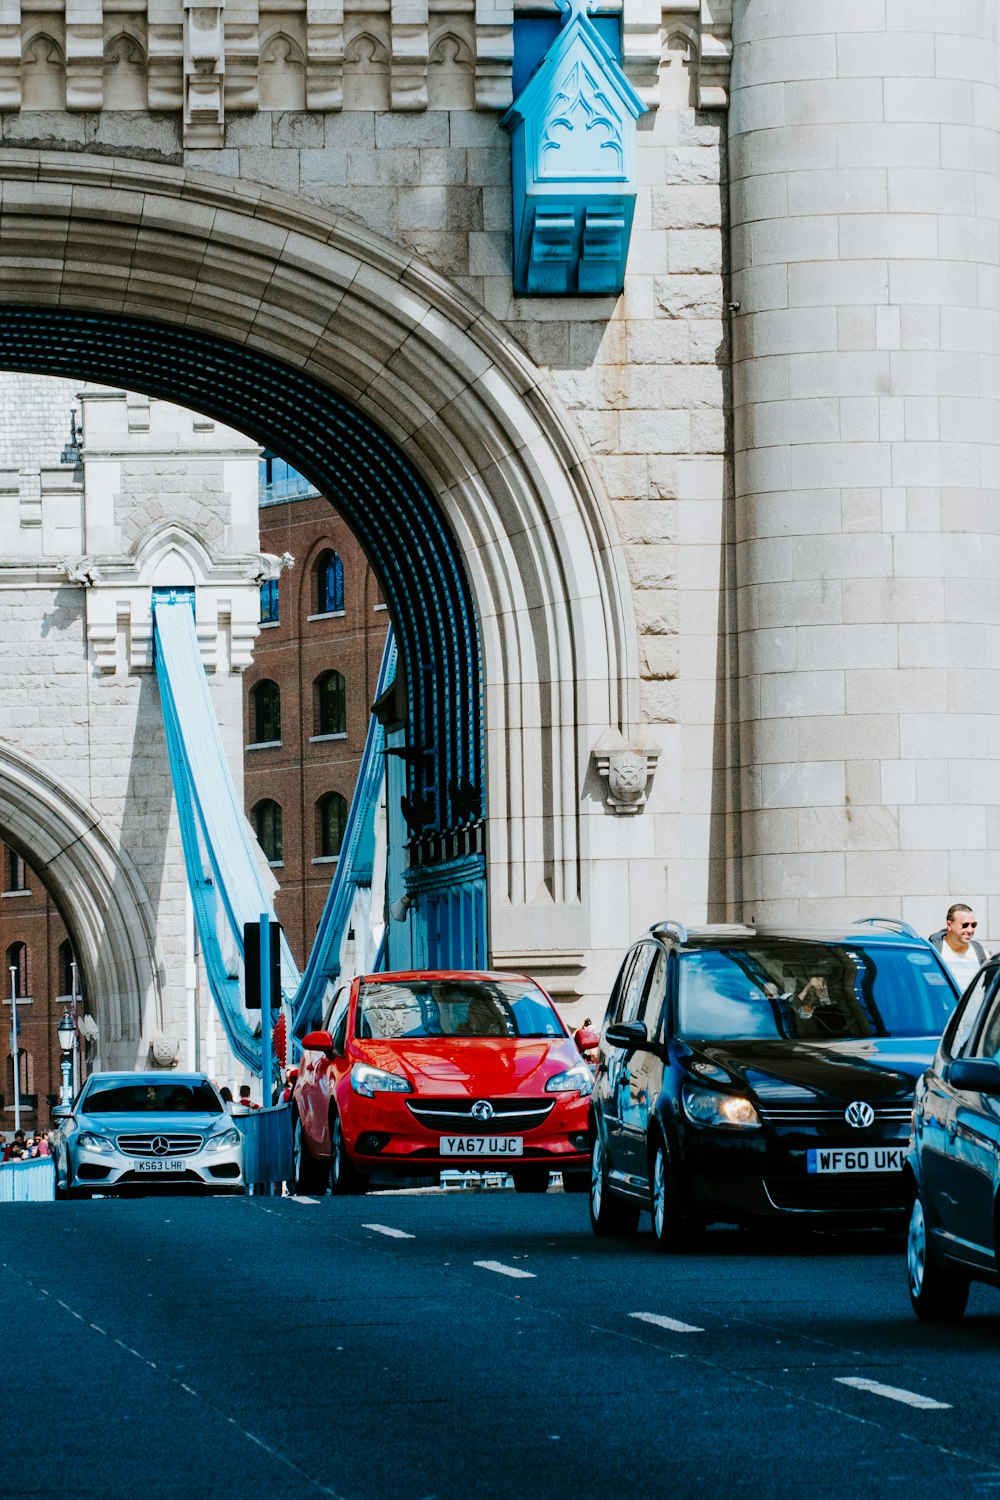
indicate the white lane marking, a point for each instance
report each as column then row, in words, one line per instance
column 300, row 1198
column 394, row 1234
column 502, row 1270
column 672, row 1323
column 893, row 1393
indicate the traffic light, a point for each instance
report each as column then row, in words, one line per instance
column 251, row 964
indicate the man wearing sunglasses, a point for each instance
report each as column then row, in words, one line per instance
column 957, row 944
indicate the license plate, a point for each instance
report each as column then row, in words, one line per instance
column 161, row 1164
column 482, row 1145
column 860, row 1159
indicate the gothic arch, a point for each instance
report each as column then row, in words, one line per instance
column 101, row 899
column 413, row 363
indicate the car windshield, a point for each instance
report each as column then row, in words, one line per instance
column 114, row 1097
column 454, row 1008
column 781, row 990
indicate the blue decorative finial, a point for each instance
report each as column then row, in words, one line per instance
column 573, row 8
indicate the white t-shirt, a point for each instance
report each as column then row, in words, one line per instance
column 964, row 966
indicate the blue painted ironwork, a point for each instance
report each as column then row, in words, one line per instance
column 227, row 888
column 450, row 899
column 573, row 165
column 354, row 866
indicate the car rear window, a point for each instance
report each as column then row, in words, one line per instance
column 814, row 991
column 454, row 1008
column 114, row 1098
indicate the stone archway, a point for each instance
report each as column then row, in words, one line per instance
column 100, row 897
column 512, row 478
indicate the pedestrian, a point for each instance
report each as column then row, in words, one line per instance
column 959, row 950
column 244, row 1102
column 226, row 1095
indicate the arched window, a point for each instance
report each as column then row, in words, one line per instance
column 65, row 959
column 267, row 822
column 17, row 877
column 329, row 584
column 332, row 822
column 269, row 602
column 265, row 712
column 17, row 959
column 331, row 704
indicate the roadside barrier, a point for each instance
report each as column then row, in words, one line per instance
column 31, row 1181
column 267, row 1144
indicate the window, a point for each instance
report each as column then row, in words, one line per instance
column 265, row 712
column 968, row 1013
column 269, row 602
column 17, row 879
column 17, row 959
column 329, row 584
column 267, row 822
column 331, row 704
column 332, row 822
column 65, row 959
column 634, row 1007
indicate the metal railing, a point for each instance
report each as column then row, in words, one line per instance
column 28, row 1181
column 267, row 1144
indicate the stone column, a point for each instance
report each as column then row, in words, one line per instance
column 863, row 183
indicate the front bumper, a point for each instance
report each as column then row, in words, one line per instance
column 201, row 1171
column 769, row 1177
column 382, row 1135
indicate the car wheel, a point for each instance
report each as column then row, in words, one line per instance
column 308, row 1175
column 531, row 1180
column 938, row 1293
column 608, row 1215
column 345, row 1179
column 672, row 1230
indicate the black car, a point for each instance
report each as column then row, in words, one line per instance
column 953, row 1169
column 750, row 1073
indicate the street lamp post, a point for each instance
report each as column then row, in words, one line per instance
column 76, row 1035
column 66, row 1032
column 15, row 1053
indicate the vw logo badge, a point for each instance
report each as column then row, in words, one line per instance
column 482, row 1110
column 159, row 1145
column 859, row 1114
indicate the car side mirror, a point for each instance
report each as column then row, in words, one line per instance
column 586, row 1039
column 975, row 1075
column 318, row 1041
column 61, row 1112
column 630, row 1034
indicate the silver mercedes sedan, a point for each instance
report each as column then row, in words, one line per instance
column 147, row 1132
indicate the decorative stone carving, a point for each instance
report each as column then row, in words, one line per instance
column 573, row 161
column 10, row 54
column 204, row 73
column 84, row 54
column 164, row 1050
column 325, row 56
column 627, row 766
column 708, row 25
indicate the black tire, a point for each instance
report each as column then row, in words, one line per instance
column 576, row 1182
column 345, row 1179
column 672, row 1229
column 938, row 1293
column 608, row 1215
column 309, row 1176
column 531, row 1180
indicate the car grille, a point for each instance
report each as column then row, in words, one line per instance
column 166, row 1144
column 821, row 1113
column 454, row 1115
column 878, row 1193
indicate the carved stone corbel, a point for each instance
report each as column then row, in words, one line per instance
column 325, row 56
column 408, row 55
column 165, row 60
column 84, row 54
column 204, row 73
column 494, row 54
column 627, row 766
column 10, row 54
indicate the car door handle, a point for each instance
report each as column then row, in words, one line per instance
column 952, row 1128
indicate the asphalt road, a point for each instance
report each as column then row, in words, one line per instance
column 470, row 1345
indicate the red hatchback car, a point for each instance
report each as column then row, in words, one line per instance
column 435, row 1069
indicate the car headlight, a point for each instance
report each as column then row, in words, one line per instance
column 99, row 1143
column 369, row 1081
column 576, row 1080
column 708, row 1107
column 224, row 1142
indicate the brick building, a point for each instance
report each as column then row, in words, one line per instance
column 308, row 695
